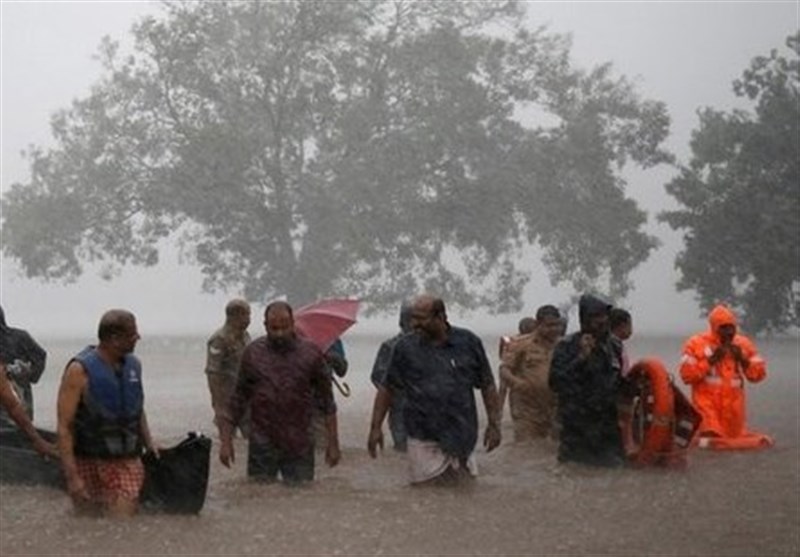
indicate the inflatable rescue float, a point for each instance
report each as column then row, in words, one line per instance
column 658, row 423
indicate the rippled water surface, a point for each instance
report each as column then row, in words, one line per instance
column 522, row 503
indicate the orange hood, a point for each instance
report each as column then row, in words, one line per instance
column 720, row 316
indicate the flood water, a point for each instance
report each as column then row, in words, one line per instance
column 522, row 503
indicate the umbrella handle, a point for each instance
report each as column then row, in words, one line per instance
column 344, row 388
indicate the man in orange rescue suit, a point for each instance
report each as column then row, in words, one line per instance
column 716, row 364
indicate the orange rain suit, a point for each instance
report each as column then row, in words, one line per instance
column 718, row 389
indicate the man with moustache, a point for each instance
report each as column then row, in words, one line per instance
column 102, row 427
column 280, row 377
column 438, row 367
column 525, row 368
column 585, row 375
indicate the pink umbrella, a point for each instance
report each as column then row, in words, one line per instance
column 325, row 320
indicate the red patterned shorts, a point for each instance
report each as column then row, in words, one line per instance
column 109, row 480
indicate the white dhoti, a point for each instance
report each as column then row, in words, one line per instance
column 427, row 461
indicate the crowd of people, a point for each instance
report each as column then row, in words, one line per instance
column 276, row 392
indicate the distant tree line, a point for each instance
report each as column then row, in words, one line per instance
column 383, row 148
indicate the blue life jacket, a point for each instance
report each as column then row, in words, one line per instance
column 107, row 422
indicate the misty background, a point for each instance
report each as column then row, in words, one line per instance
column 685, row 54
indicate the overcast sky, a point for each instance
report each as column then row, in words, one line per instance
column 683, row 53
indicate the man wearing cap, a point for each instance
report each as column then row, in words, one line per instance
column 585, row 374
column 525, row 368
column 223, row 356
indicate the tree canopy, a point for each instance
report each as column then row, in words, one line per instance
column 371, row 148
column 741, row 198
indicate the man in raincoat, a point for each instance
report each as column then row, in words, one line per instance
column 716, row 364
column 585, row 375
column 25, row 363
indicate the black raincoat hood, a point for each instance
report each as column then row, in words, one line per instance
column 590, row 305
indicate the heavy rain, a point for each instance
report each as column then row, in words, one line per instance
column 168, row 157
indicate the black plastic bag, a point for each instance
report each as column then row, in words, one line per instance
column 177, row 481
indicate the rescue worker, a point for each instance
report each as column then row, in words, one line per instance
column 716, row 364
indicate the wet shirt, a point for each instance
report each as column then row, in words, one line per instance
column 438, row 382
column 528, row 357
column 224, row 351
column 382, row 359
column 279, row 387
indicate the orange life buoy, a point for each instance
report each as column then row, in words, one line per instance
column 649, row 425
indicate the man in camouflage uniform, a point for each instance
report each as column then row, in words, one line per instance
column 223, row 355
column 525, row 368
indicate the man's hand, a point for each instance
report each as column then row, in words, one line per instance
column 77, row 488
column 492, row 437
column 736, row 352
column 517, row 384
column 717, row 355
column 45, row 449
column 332, row 454
column 154, row 449
column 375, row 440
column 586, row 345
column 227, row 455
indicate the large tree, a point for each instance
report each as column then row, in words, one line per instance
column 372, row 148
column 741, row 198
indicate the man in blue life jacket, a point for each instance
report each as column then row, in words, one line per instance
column 102, row 427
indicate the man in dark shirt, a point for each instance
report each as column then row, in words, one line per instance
column 585, row 375
column 437, row 367
column 397, row 425
column 280, row 376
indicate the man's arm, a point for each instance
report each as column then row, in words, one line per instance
column 509, row 366
column 383, row 399
column 695, row 363
column 565, row 367
column 381, row 365
column 234, row 409
column 491, row 402
column 322, row 385
column 16, row 410
column 219, row 384
column 484, row 380
column 332, row 452
column 73, row 383
column 147, row 438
